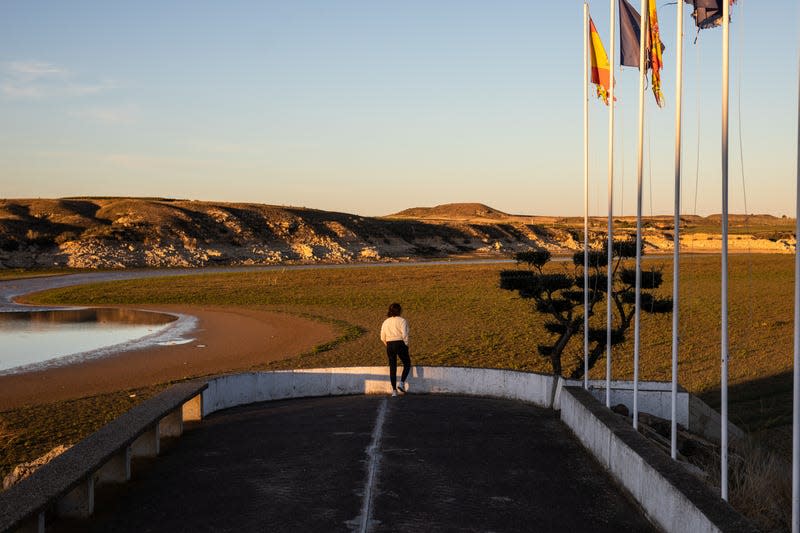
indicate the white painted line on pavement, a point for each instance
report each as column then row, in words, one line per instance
column 374, row 454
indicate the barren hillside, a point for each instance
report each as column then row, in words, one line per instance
column 469, row 211
column 157, row 232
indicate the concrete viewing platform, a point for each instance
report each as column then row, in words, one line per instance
column 371, row 463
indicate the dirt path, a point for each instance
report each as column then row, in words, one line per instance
column 226, row 339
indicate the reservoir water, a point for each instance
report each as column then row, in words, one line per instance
column 31, row 339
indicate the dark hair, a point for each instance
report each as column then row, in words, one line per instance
column 394, row 310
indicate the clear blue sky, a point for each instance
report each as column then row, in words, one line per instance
column 372, row 107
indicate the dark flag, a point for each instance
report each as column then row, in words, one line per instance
column 707, row 13
column 629, row 31
column 630, row 28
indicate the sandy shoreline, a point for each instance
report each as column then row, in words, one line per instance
column 226, row 339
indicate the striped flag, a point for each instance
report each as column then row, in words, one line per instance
column 656, row 62
column 601, row 68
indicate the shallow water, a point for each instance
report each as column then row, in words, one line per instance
column 32, row 338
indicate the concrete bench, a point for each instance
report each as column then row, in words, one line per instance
column 66, row 484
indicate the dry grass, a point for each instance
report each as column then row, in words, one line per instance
column 30, row 432
column 5, row 433
column 21, row 273
column 761, row 487
column 759, row 484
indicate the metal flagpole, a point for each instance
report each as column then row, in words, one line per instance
column 610, row 283
column 677, row 241
column 585, row 195
column 796, row 398
column 724, row 271
column 645, row 13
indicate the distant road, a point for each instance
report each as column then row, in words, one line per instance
column 11, row 289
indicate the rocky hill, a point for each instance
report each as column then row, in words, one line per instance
column 468, row 211
column 158, row 232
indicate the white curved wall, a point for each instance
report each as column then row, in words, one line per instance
column 239, row 389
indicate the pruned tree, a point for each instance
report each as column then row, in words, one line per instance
column 560, row 296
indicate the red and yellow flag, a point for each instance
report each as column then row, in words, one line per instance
column 601, row 69
column 654, row 52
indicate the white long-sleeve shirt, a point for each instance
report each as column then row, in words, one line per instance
column 394, row 328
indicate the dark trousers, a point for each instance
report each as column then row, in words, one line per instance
column 393, row 350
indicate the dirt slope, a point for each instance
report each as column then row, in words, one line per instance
column 158, row 232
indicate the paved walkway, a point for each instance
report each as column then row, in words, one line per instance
column 372, row 463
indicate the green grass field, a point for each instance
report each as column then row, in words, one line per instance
column 459, row 317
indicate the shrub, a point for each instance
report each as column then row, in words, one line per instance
column 38, row 238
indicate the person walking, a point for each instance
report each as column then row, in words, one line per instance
column 394, row 334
